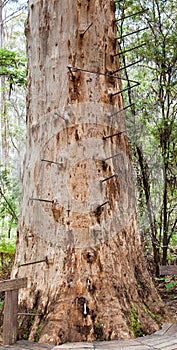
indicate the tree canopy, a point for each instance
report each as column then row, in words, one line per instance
column 13, row 66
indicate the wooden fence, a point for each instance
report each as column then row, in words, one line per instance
column 168, row 270
column 10, row 325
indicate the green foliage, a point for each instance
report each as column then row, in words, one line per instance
column 13, row 66
column 13, row 122
column 152, row 120
column 169, row 282
column 160, row 279
column 38, row 332
column 26, row 334
column 10, row 196
column 98, row 330
column 170, row 285
column 7, row 247
column 7, row 253
column 26, row 326
column 136, row 326
column 9, row 203
column 149, row 312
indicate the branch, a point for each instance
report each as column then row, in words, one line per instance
column 14, row 14
column 9, row 205
column 13, row 143
column 5, row 3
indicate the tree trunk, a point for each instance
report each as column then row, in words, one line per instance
column 165, row 219
column 1, row 93
column 78, row 219
column 4, row 145
column 146, row 185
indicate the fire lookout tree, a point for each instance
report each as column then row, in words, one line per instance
column 78, row 241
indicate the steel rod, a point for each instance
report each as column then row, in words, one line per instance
column 99, row 73
column 33, row 262
column 136, row 31
column 41, row 200
column 100, row 206
column 115, row 155
column 118, row 133
column 120, row 110
column 108, row 178
column 28, row 314
column 128, row 88
column 55, row 113
column 82, row 34
column 50, row 161
column 128, row 50
column 128, row 65
column 133, row 14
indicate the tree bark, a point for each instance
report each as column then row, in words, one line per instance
column 78, row 219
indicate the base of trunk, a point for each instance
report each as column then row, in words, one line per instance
column 105, row 293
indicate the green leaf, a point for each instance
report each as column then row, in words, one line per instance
column 13, row 66
column 170, row 285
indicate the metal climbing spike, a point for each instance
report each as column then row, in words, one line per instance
column 33, row 262
column 50, row 161
column 102, row 205
column 117, row 134
column 128, row 88
column 128, row 65
column 134, row 32
column 109, row 75
column 41, row 200
column 128, row 50
column 85, row 31
column 120, row 110
column 133, row 14
column 115, row 155
column 108, row 178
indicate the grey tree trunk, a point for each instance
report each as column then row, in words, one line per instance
column 4, row 147
column 78, row 212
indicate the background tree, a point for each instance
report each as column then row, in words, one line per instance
column 78, row 240
column 152, row 122
column 12, row 130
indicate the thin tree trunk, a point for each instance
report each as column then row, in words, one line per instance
column 1, row 35
column 3, row 127
column 146, row 186
column 78, row 240
column 165, row 221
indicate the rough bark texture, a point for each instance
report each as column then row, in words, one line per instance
column 93, row 283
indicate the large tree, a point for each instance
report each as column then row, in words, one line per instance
column 78, row 241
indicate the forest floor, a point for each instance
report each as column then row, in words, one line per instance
column 167, row 288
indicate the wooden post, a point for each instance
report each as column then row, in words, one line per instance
column 10, row 325
column 168, row 270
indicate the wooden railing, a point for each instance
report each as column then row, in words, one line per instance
column 168, row 270
column 10, row 325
